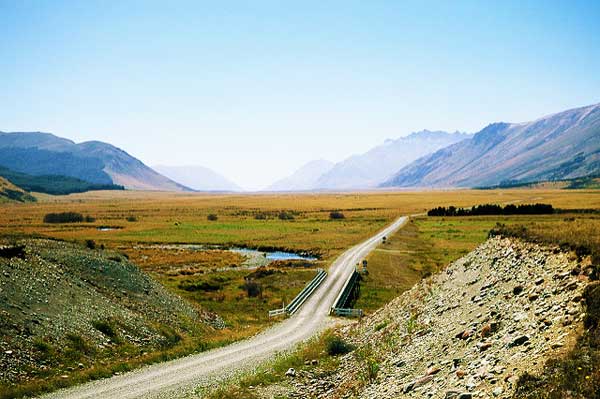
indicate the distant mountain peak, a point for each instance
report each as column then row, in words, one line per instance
column 197, row 177
column 367, row 170
column 304, row 178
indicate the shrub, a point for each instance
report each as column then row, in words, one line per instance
column 260, row 216
column 105, row 327
column 77, row 347
column 592, row 305
column 252, row 288
column 64, row 217
column 492, row 209
column 12, row 251
column 284, row 215
column 201, row 286
column 91, row 244
column 369, row 367
column 131, row 219
column 46, row 350
column 212, row 217
column 381, row 326
column 172, row 337
column 335, row 345
column 336, row 215
column 90, row 219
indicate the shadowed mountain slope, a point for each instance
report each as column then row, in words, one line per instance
column 93, row 161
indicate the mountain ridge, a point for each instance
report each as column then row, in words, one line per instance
column 558, row 146
column 304, row 178
column 369, row 169
column 40, row 153
column 197, row 177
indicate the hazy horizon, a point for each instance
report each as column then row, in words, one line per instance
column 254, row 91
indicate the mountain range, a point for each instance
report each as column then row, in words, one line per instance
column 561, row 146
column 305, row 178
column 197, row 177
column 369, row 169
column 565, row 145
column 36, row 153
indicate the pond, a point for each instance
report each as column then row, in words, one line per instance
column 108, row 228
column 256, row 258
column 280, row 255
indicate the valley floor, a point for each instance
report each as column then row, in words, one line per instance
column 149, row 230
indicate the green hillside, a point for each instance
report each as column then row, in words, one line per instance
column 9, row 192
column 53, row 184
column 69, row 313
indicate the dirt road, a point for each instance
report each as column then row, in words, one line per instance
column 169, row 379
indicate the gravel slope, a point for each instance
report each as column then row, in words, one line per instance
column 467, row 332
column 168, row 379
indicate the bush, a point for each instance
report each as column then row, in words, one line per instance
column 91, row 244
column 12, row 251
column 44, row 348
column 106, row 328
column 335, row 345
column 260, row 216
column 491, row 209
column 212, row 217
column 77, row 347
column 131, row 219
column 201, row 286
column 591, row 294
column 64, row 217
column 172, row 337
column 284, row 215
column 368, row 364
column 336, row 215
column 252, row 288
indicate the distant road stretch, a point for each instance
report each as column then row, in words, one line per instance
column 168, row 379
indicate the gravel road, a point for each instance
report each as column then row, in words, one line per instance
column 174, row 378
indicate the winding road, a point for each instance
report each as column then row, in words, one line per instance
column 169, row 379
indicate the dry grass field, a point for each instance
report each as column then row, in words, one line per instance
column 147, row 228
column 182, row 218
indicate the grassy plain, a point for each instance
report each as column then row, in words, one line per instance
column 139, row 220
column 182, row 218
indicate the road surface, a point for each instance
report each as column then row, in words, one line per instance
column 169, row 379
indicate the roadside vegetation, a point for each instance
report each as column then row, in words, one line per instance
column 322, row 351
column 243, row 298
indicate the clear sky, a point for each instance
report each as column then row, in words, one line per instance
column 254, row 89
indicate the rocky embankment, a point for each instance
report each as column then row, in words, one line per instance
column 468, row 332
column 65, row 307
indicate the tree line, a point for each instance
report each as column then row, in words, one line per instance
column 492, row 209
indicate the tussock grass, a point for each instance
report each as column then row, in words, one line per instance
column 315, row 350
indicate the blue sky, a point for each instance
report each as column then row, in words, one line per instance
column 256, row 89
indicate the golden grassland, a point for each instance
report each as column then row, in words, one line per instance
column 142, row 218
column 182, row 218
